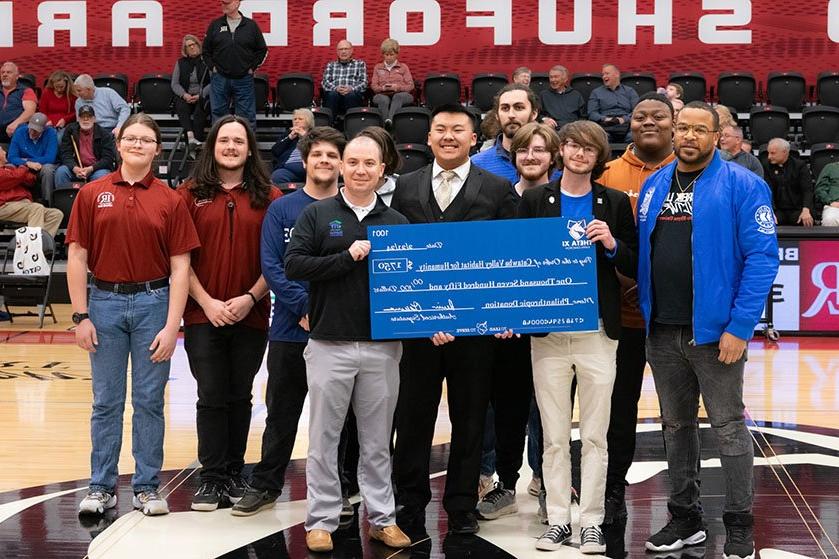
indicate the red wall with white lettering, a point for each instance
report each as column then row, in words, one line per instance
column 783, row 36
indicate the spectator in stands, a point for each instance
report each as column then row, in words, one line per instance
column 17, row 102
column 392, row 82
column 226, row 315
column 344, row 81
column 521, row 75
column 16, row 203
column 36, row 145
column 191, row 86
column 234, row 48
column 746, row 145
column 561, row 103
column 731, row 139
column 611, row 104
column 110, row 108
column 390, row 157
column 791, row 183
column 726, row 118
column 514, row 106
column 57, row 100
column 87, row 151
column 134, row 309
column 827, row 193
column 288, row 161
column 674, row 93
column 650, row 150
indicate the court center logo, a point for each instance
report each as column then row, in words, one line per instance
column 765, row 219
column 105, row 200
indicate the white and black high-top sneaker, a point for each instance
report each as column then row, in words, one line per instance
column 592, row 540
column 554, row 537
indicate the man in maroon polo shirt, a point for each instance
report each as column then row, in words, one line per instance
column 227, row 314
column 135, row 235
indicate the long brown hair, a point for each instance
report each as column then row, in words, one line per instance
column 57, row 76
column 206, row 182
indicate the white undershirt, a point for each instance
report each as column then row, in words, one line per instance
column 360, row 211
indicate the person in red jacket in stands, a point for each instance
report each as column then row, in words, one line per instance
column 57, row 100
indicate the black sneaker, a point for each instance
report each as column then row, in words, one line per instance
column 253, row 501
column 615, row 504
column 236, row 487
column 739, row 537
column 554, row 537
column 208, row 497
column 463, row 523
column 592, row 540
column 681, row 531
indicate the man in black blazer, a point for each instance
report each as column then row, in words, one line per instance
column 584, row 150
column 450, row 189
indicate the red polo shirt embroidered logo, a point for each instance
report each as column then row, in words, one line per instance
column 105, row 200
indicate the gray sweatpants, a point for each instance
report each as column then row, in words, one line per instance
column 366, row 375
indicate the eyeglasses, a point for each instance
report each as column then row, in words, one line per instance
column 587, row 150
column 131, row 140
column 537, row 151
column 698, row 129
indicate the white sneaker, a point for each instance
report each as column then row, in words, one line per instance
column 534, row 486
column 97, row 502
column 150, row 503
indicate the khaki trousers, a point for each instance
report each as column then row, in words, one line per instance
column 32, row 214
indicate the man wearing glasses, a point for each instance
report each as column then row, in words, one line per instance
column 707, row 258
column 559, row 356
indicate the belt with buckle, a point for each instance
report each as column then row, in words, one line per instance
column 130, row 288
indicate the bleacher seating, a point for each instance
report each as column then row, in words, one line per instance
column 820, row 124
column 767, row 122
column 639, row 81
column 485, row 87
column 262, row 92
column 786, row 89
column 693, row 83
column 414, row 156
column 153, row 94
column 359, row 118
column 821, row 155
column 585, row 83
column 411, row 125
column 827, row 89
column 117, row 82
column 441, row 89
column 737, row 90
column 539, row 82
column 294, row 91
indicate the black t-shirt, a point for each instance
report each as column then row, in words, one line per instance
column 672, row 259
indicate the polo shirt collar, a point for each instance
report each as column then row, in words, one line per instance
column 499, row 148
column 145, row 183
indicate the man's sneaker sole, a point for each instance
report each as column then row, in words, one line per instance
column 152, row 508
column 696, row 538
column 250, row 512
column 204, row 507
column 504, row 511
column 95, row 507
column 751, row 556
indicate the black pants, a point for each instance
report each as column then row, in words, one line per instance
column 512, row 391
column 284, row 398
column 465, row 365
column 192, row 117
column 224, row 362
column 788, row 217
column 631, row 360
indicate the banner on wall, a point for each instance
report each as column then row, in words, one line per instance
column 806, row 291
column 466, row 37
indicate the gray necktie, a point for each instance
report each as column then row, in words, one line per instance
column 444, row 190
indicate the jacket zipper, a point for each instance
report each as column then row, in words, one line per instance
column 230, row 207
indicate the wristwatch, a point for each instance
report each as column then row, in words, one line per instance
column 79, row 316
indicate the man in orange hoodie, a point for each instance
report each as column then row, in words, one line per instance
column 651, row 126
column 16, row 203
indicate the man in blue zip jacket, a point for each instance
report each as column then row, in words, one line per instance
column 707, row 258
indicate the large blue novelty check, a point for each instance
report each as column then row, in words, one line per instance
column 482, row 277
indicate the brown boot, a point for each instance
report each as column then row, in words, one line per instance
column 391, row 536
column 319, row 540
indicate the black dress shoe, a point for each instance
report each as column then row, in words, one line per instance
column 463, row 523
column 409, row 518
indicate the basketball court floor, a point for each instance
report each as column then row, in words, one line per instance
column 791, row 394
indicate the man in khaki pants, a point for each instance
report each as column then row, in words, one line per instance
column 16, row 199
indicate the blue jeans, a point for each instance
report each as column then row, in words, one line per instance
column 535, row 443
column 290, row 172
column 240, row 90
column 488, row 447
column 682, row 371
column 125, row 326
column 339, row 104
column 64, row 177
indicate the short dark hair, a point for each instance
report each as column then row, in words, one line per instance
column 145, row 120
column 535, row 105
column 588, row 133
column 390, row 156
column 206, row 182
column 454, row 108
column 319, row 134
column 703, row 106
column 653, row 96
